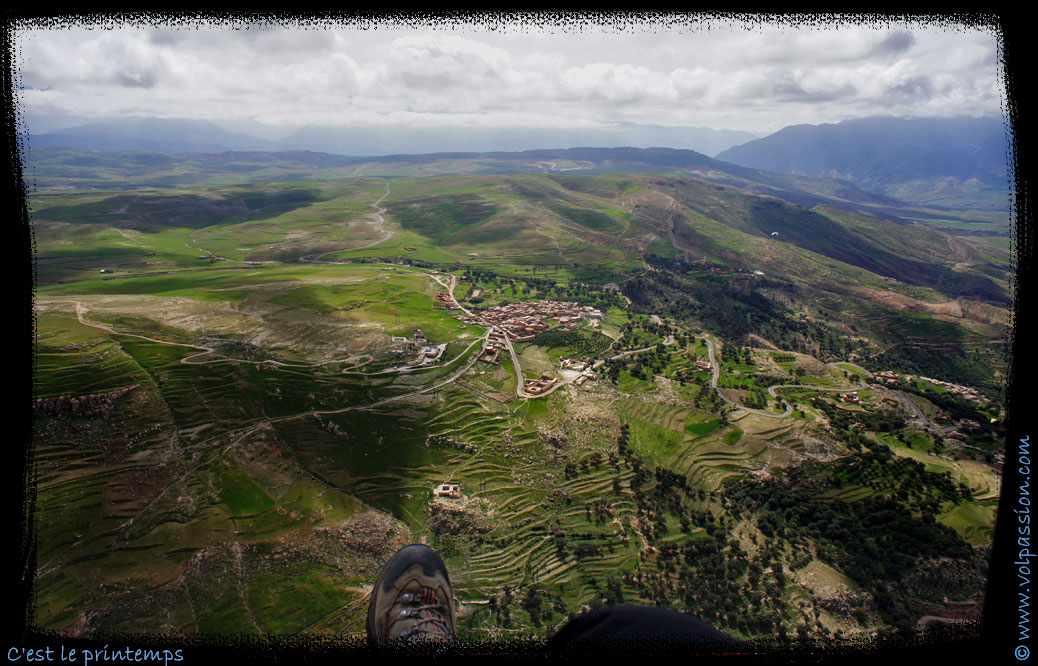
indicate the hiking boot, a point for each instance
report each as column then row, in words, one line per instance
column 412, row 600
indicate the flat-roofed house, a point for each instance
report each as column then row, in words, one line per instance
column 451, row 490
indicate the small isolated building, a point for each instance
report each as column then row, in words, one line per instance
column 540, row 385
column 451, row 490
column 573, row 364
column 888, row 376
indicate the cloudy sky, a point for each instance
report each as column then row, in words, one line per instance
column 757, row 77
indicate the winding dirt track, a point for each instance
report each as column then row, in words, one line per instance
column 315, row 258
column 196, row 450
column 716, row 374
column 188, row 360
column 449, row 281
column 449, row 284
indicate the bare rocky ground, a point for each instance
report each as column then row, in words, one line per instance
column 666, row 393
column 589, row 416
column 93, row 405
column 461, row 516
column 359, row 545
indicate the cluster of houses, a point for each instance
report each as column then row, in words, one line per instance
column 955, row 389
column 572, row 364
column 523, row 321
column 583, row 366
column 965, row 391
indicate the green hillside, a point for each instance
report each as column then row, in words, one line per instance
column 237, row 421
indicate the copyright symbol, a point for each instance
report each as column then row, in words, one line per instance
column 1022, row 652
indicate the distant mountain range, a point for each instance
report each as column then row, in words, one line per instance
column 172, row 135
column 922, row 160
column 151, row 134
column 953, row 163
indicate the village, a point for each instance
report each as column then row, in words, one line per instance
column 513, row 322
column 966, row 392
column 521, row 322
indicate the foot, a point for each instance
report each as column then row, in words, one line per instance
column 412, row 600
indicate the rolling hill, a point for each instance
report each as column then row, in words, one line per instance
column 253, row 368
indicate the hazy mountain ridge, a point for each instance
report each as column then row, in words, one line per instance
column 956, row 163
column 181, row 135
column 887, row 154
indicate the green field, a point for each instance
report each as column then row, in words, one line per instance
column 229, row 433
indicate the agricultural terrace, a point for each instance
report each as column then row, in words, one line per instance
column 235, row 428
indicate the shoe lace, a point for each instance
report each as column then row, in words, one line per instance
column 428, row 614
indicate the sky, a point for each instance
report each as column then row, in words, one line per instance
column 754, row 76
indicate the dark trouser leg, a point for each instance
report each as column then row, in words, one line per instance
column 642, row 628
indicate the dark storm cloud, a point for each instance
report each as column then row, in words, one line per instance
column 916, row 89
column 164, row 37
column 897, row 43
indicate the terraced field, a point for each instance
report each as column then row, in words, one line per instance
column 693, row 443
column 525, row 553
column 230, row 440
column 984, row 485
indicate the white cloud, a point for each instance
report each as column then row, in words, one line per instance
column 758, row 77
